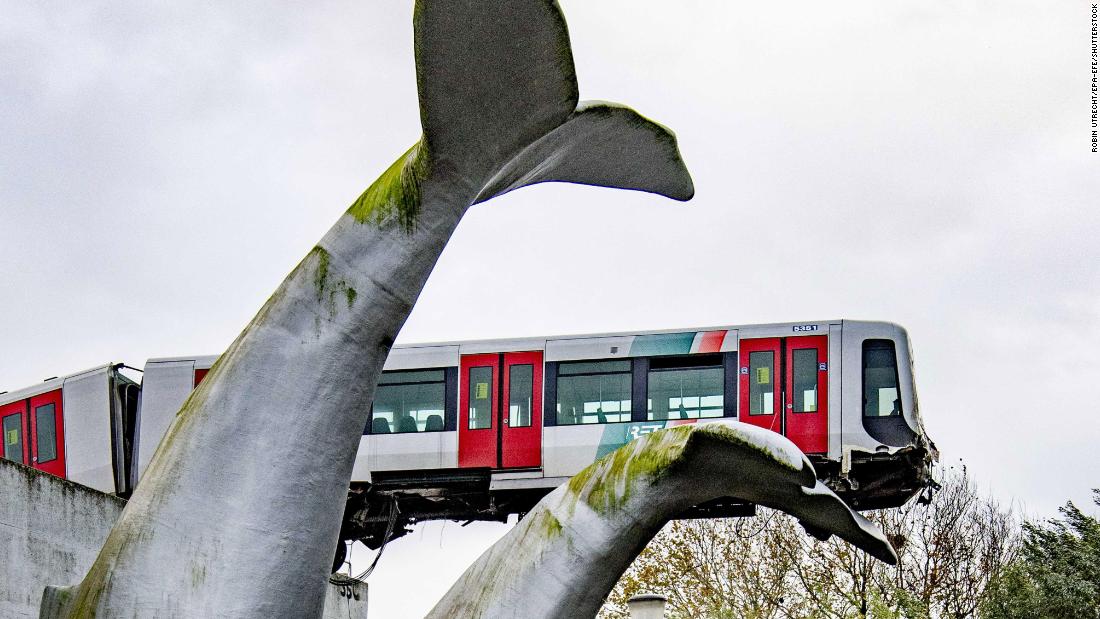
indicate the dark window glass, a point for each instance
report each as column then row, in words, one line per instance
column 593, row 392
column 593, row 367
column 881, row 397
column 481, row 393
column 409, row 402
column 805, row 380
column 415, row 376
column 686, row 393
column 761, row 383
column 520, row 379
column 45, row 428
column 13, row 438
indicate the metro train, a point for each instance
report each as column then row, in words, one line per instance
column 482, row 430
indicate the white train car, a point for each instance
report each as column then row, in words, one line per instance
column 481, row 430
column 79, row 427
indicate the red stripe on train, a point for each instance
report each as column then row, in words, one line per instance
column 712, row 341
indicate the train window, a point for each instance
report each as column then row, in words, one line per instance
column 520, row 379
column 686, row 392
column 881, row 397
column 13, row 438
column 481, row 394
column 593, row 392
column 804, row 368
column 45, row 427
column 412, row 401
column 761, row 383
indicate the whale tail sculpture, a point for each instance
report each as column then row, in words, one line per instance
column 239, row 510
column 564, row 557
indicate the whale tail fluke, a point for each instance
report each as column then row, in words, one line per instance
column 492, row 77
column 601, row 144
column 499, row 104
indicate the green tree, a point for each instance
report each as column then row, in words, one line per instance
column 1057, row 574
column 766, row 567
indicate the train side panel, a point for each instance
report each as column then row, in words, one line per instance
column 860, row 423
column 411, row 451
column 88, row 445
column 836, row 390
column 414, row 450
column 569, row 449
column 165, row 387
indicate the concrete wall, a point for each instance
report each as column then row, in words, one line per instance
column 52, row 529
column 50, row 532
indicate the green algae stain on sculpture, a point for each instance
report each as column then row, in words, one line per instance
column 609, row 482
column 546, row 525
column 320, row 277
column 397, row 192
column 329, row 294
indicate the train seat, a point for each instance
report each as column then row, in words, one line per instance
column 406, row 424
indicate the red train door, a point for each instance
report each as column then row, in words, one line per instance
column 13, row 426
column 47, row 439
column 760, row 391
column 500, row 410
column 807, row 393
column 478, row 410
column 521, row 428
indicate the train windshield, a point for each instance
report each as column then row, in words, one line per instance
column 881, row 397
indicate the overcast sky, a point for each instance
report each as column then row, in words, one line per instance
column 164, row 165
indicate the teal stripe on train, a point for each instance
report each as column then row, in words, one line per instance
column 662, row 344
column 615, row 435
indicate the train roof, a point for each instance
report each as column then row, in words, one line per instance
column 50, row 384
column 410, row 350
column 508, row 342
column 540, row 343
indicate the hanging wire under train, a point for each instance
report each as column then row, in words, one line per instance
column 391, row 522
